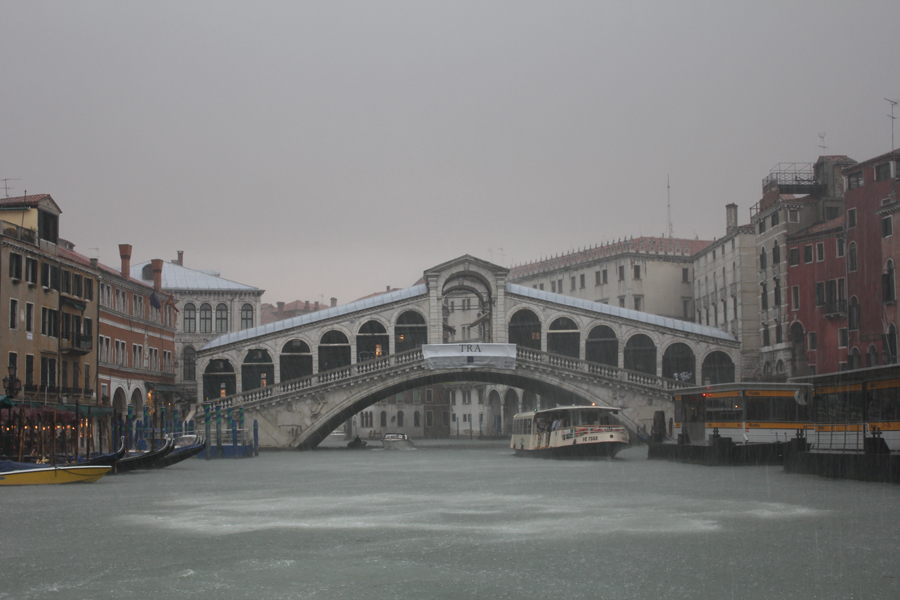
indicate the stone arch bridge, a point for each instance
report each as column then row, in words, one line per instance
column 301, row 378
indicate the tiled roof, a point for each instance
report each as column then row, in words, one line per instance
column 644, row 245
column 824, row 226
column 29, row 201
column 177, row 277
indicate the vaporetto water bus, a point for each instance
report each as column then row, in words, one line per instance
column 569, row 432
column 835, row 413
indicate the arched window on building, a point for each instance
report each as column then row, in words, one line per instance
column 851, row 257
column 205, row 318
column 246, row 316
column 776, row 253
column 188, row 363
column 383, row 419
column 872, row 356
column 221, row 318
column 190, row 318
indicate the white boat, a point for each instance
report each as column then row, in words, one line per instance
column 396, row 441
column 569, row 432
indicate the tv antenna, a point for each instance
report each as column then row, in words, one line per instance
column 822, row 141
column 669, row 204
column 6, row 184
column 893, row 118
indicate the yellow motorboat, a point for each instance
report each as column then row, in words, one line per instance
column 13, row 473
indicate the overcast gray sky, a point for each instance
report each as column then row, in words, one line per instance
column 318, row 149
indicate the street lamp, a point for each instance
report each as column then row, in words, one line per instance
column 11, row 384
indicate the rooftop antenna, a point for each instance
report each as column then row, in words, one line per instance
column 893, row 118
column 6, row 184
column 669, row 204
column 822, row 141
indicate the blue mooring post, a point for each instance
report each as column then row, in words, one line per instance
column 242, row 430
column 208, row 448
column 144, row 423
column 220, row 452
column 255, row 437
column 162, row 422
column 176, row 426
column 129, row 420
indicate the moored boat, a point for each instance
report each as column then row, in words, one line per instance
column 14, row 473
column 396, row 441
column 569, row 432
column 144, row 460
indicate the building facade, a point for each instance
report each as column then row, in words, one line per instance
column 209, row 306
column 725, row 294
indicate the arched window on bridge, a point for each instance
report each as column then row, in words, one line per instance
column 719, row 368
column 679, row 363
column 399, row 418
column 383, row 418
column 334, row 351
column 218, row 379
column 602, row 346
column 258, row 370
column 372, row 341
column 564, row 338
column 295, row 360
column 640, row 354
column 525, row 329
column 410, row 332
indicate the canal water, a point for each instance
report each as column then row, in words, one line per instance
column 465, row 521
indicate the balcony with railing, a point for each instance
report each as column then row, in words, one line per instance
column 76, row 344
column 29, row 236
column 834, row 309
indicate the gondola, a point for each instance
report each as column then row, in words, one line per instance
column 179, row 454
column 145, row 460
column 108, row 459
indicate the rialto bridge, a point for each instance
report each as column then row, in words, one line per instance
column 301, row 378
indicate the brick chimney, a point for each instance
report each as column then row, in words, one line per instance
column 306, row 306
column 180, row 261
column 333, row 302
column 157, row 265
column 280, row 312
column 125, row 254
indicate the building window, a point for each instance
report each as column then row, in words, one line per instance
column 888, row 290
column 246, row 316
column 842, row 337
column 887, row 226
column 637, row 271
column 839, row 248
column 762, row 259
column 779, row 337
column 793, row 215
column 572, row 284
column 429, row 395
column 205, row 318
column 774, row 218
column 31, row 270
column 765, row 335
column 794, row 257
column 795, row 297
column 776, row 254
column 883, row 171
column 621, row 272
column 190, row 318
column 553, row 286
column 820, row 293
column 622, row 301
column 777, row 293
column 686, row 275
column 638, row 303
column 15, row 266
column 221, row 318
column 807, row 254
column 855, row 180
column 762, row 225
column 581, row 280
column 851, row 218
column 853, row 314
column 820, row 252
column 29, row 317
column 851, row 257
column 13, row 313
column 764, row 297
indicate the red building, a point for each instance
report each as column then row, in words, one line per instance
column 817, row 298
column 873, row 250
